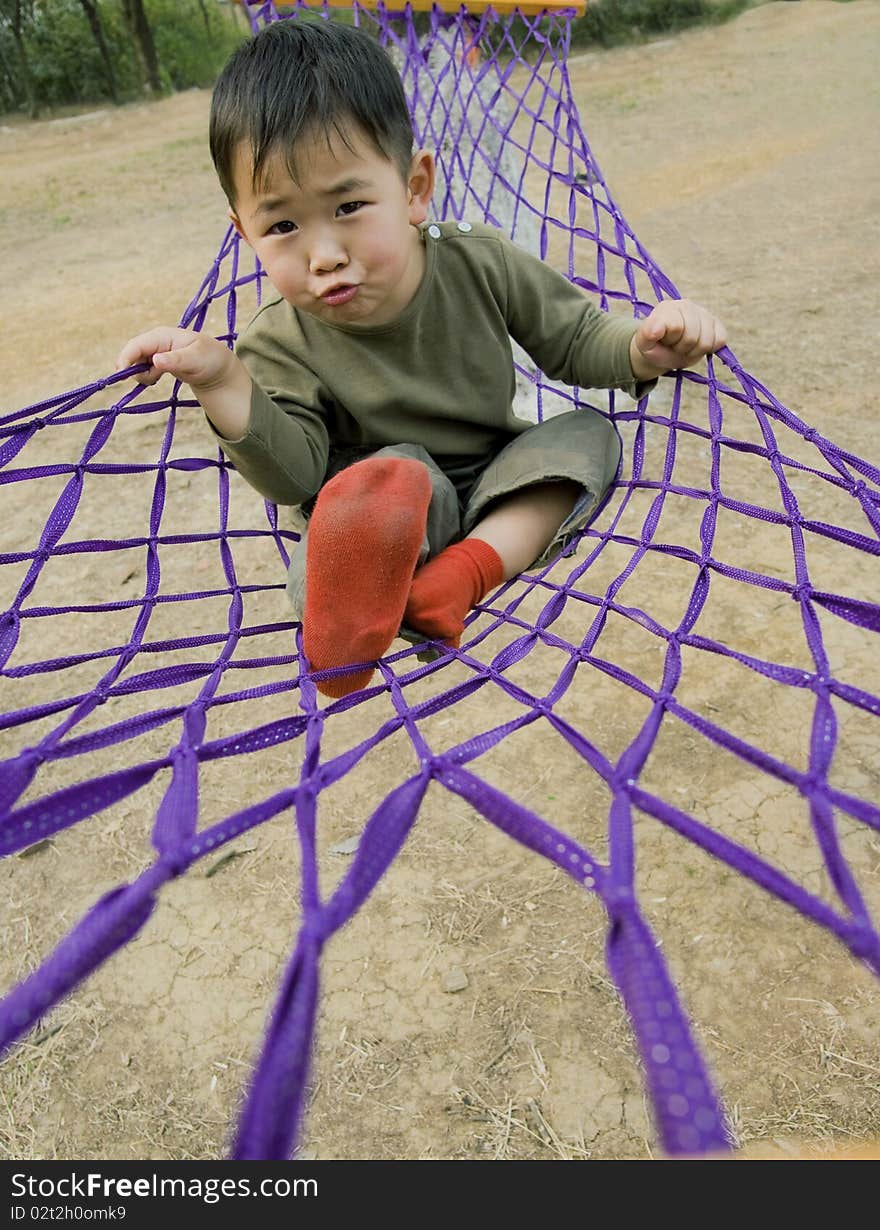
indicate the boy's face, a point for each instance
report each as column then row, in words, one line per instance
column 340, row 241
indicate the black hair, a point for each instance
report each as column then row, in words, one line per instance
column 297, row 78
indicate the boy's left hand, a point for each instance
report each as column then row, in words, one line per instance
column 677, row 334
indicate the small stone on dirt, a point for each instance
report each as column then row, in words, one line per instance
column 346, row 847
column 455, row 980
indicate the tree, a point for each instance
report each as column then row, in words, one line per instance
column 93, row 17
column 14, row 14
column 10, row 92
column 205, row 17
column 143, row 36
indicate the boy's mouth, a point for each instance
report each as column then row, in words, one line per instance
column 339, row 295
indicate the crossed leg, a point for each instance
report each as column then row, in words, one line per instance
column 363, row 548
column 512, row 535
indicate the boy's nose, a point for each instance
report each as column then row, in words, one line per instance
column 327, row 257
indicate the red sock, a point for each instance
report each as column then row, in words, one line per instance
column 363, row 546
column 449, row 585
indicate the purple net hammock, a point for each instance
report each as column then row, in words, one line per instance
column 652, row 590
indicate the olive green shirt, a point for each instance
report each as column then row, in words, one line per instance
column 441, row 374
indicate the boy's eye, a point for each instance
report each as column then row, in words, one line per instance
column 350, row 207
column 285, row 227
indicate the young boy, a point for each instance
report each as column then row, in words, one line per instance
column 376, row 389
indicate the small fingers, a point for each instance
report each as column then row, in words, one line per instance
column 182, row 362
column 145, row 347
column 684, row 330
column 137, row 350
column 690, row 332
column 667, row 327
column 142, row 347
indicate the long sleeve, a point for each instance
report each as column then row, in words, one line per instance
column 283, row 454
column 565, row 333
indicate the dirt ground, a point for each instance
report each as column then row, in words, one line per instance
column 745, row 159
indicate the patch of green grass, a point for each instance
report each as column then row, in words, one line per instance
column 608, row 23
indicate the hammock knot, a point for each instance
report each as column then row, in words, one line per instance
column 174, row 862
column 813, row 782
column 811, row 435
column 619, row 898
column 314, row 929
column 803, row 592
column 858, row 489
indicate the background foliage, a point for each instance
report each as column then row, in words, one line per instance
column 55, row 61
column 50, row 55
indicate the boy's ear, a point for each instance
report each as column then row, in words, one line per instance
column 233, row 218
column 420, row 186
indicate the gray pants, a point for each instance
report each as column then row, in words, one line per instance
column 581, row 445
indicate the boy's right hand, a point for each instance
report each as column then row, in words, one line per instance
column 217, row 377
column 199, row 360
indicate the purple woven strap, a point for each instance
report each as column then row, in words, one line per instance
column 121, row 913
column 111, row 923
column 47, row 816
column 267, row 1127
column 271, row 1116
column 687, row 1109
column 689, row 1115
